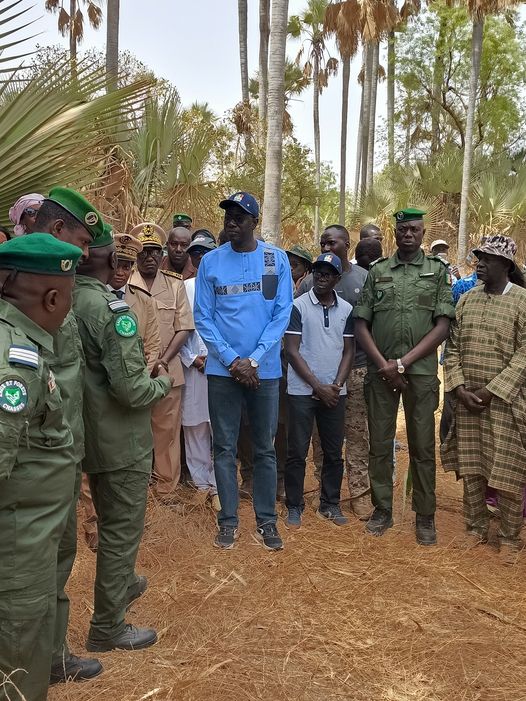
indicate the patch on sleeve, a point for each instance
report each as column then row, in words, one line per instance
column 125, row 325
column 23, row 355
column 13, row 396
column 118, row 305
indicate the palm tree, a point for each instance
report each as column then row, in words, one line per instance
column 264, row 34
column 242, row 10
column 478, row 12
column 372, row 113
column 72, row 23
column 319, row 66
column 342, row 19
column 276, row 104
column 391, row 69
column 112, row 43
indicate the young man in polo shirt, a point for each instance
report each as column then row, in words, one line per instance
column 320, row 347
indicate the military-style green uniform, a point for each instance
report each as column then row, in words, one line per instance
column 67, row 364
column 401, row 302
column 36, row 479
column 118, row 396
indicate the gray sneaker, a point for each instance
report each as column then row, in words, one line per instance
column 333, row 514
column 293, row 519
column 268, row 536
column 226, row 537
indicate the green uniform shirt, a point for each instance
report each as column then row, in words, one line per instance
column 67, row 364
column 401, row 301
column 37, row 467
column 118, row 391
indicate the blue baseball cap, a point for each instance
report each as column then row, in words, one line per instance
column 244, row 200
column 329, row 259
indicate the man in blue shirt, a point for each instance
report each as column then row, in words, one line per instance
column 242, row 307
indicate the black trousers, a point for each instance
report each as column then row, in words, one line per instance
column 303, row 410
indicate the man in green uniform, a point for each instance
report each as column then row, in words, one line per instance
column 36, row 454
column 118, row 396
column 68, row 216
column 402, row 317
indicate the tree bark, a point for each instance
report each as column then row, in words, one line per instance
column 271, row 224
column 242, row 9
column 346, row 76
column 372, row 116
column 264, row 32
column 391, row 70
column 438, row 79
column 112, row 43
column 476, row 55
column 367, row 86
column 317, row 153
column 359, row 139
column 73, row 38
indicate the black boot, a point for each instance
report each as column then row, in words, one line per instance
column 131, row 638
column 75, row 669
column 426, row 533
column 380, row 521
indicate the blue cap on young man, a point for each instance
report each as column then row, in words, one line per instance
column 244, row 200
column 328, row 259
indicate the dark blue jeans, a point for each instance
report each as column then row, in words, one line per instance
column 225, row 398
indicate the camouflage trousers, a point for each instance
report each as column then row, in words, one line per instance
column 356, row 437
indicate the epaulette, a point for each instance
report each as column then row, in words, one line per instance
column 118, row 305
column 133, row 289
column 378, row 260
column 23, row 355
column 172, row 274
column 445, row 263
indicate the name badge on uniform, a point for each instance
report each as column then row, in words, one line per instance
column 51, row 382
column 384, row 279
column 427, row 274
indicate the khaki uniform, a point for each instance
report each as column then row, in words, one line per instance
column 37, row 476
column 145, row 309
column 401, row 302
column 174, row 315
column 118, row 397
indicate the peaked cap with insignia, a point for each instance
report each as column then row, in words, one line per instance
column 149, row 234
column 127, row 247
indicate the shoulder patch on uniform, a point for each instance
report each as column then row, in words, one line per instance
column 172, row 274
column 125, row 325
column 378, row 260
column 13, row 396
column 23, row 355
column 118, row 305
column 445, row 263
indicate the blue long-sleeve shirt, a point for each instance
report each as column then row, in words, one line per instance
column 243, row 303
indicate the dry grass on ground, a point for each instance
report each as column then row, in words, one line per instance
column 336, row 615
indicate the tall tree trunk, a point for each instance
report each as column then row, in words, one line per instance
column 112, row 43
column 372, row 116
column 264, row 32
column 271, row 224
column 438, row 79
column 346, row 76
column 359, row 139
column 73, row 38
column 367, row 89
column 317, row 154
column 242, row 10
column 391, row 69
column 409, row 124
column 476, row 55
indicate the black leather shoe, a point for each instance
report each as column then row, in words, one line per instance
column 136, row 590
column 74, row 669
column 380, row 521
column 131, row 638
column 426, row 533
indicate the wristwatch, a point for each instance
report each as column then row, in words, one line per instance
column 254, row 363
column 400, row 367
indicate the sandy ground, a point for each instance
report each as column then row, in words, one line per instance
column 336, row 615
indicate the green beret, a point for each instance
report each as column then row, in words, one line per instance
column 409, row 214
column 300, row 252
column 181, row 217
column 39, row 253
column 79, row 207
column 105, row 239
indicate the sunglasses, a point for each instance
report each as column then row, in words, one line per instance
column 30, row 211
